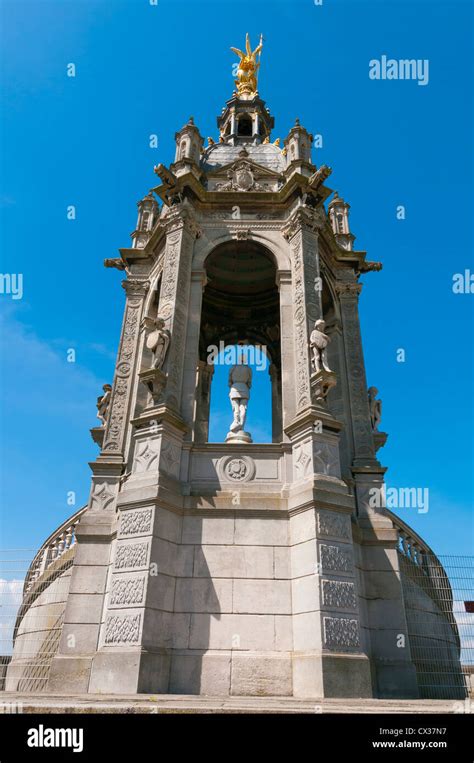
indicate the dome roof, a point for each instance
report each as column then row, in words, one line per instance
column 221, row 154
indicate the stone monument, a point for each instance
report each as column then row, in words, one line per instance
column 237, row 567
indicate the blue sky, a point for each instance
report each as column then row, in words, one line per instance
column 143, row 69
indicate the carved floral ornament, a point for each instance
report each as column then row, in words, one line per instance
column 237, row 468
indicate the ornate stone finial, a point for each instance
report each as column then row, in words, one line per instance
column 103, row 402
column 191, row 121
column 246, row 81
column 297, row 122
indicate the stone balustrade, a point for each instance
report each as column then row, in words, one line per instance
column 426, row 569
column 54, row 547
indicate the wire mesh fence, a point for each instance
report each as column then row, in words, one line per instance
column 31, row 618
column 439, row 602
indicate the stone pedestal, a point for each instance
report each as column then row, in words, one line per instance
column 154, row 380
column 321, row 383
column 238, row 437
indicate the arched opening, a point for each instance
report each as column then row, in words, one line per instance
column 240, row 306
column 244, row 126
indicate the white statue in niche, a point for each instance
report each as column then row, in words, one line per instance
column 240, row 381
column 375, row 408
column 158, row 341
column 103, row 403
column 318, row 342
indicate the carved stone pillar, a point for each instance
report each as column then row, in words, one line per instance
column 364, row 451
column 338, row 397
column 115, row 434
column 302, row 234
column 191, row 361
column 276, row 402
column 71, row 667
column 174, row 297
column 287, row 347
column 205, row 372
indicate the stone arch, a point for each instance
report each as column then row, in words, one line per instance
column 240, row 304
column 278, row 251
column 244, row 125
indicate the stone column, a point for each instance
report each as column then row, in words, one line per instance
column 287, row 347
column 191, row 361
column 379, row 570
column 302, row 234
column 71, row 667
column 205, row 372
column 338, row 397
column 125, row 372
column 174, row 297
column 276, row 402
column 364, row 450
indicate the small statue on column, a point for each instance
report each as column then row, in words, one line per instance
column 375, row 408
column 154, row 378
column 240, row 381
column 103, row 402
column 158, row 341
column 318, row 343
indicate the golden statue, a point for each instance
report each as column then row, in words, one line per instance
column 248, row 67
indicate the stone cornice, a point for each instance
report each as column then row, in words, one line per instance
column 295, row 183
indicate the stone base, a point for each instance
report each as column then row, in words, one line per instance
column 155, row 381
column 236, row 437
column 116, row 672
column 69, row 675
column 231, row 673
column 214, row 673
column 397, row 681
column 330, row 675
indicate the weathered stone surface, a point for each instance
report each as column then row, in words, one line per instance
column 261, row 675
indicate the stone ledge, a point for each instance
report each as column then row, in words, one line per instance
column 193, row 704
